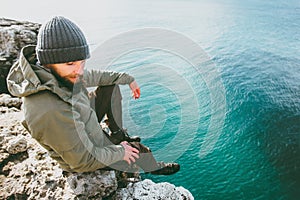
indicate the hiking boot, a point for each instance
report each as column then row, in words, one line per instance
column 133, row 138
column 166, row 168
column 121, row 135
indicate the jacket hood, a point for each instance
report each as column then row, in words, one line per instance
column 26, row 77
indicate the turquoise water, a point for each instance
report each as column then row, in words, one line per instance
column 254, row 46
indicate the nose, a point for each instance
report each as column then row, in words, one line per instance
column 80, row 68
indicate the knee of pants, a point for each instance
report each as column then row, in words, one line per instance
column 109, row 90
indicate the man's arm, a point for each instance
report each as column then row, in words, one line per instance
column 96, row 78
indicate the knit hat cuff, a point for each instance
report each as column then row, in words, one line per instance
column 62, row 55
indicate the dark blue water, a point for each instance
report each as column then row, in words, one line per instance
column 252, row 127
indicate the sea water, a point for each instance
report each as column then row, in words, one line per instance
column 254, row 46
column 234, row 126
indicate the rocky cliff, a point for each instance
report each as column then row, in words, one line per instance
column 27, row 171
column 13, row 36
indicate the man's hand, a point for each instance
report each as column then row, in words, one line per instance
column 130, row 153
column 136, row 92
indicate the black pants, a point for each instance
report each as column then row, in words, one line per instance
column 108, row 101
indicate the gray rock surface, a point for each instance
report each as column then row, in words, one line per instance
column 27, row 172
column 14, row 35
column 97, row 184
column 16, row 145
column 147, row 189
column 8, row 101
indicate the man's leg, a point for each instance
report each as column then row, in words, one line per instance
column 108, row 101
column 147, row 162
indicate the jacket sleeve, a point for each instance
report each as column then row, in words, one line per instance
column 96, row 78
column 62, row 135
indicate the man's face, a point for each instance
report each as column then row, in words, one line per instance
column 68, row 73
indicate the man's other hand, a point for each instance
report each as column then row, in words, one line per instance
column 136, row 92
column 131, row 154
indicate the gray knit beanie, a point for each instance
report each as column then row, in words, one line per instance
column 60, row 41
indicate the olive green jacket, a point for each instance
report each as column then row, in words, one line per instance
column 61, row 121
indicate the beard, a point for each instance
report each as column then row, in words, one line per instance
column 65, row 82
